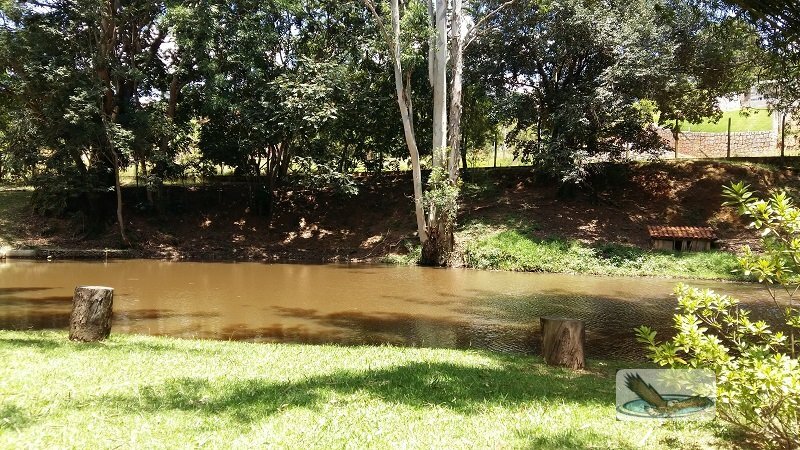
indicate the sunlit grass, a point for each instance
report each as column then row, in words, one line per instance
column 515, row 249
column 512, row 247
column 754, row 120
column 147, row 392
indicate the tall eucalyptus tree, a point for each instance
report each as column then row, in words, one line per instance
column 443, row 23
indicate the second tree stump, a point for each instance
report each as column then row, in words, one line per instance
column 562, row 342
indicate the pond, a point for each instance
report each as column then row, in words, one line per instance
column 351, row 304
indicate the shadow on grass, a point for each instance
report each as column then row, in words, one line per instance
column 464, row 389
column 50, row 344
column 571, row 440
column 12, row 417
column 39, row 344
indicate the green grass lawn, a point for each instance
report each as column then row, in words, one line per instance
column 757, row 120
column 515, row 249
column 148, row 392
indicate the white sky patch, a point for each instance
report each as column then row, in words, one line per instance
column 166, row 52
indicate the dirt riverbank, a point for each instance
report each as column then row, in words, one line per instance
column 214, row 222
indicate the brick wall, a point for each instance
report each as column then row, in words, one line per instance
column 715, row 145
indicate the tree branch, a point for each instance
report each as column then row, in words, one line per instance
column 471, row 33
column 370, row 4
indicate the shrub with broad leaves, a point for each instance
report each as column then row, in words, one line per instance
column 758, row 375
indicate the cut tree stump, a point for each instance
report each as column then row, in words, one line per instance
column 91, row 313
column 562, row 342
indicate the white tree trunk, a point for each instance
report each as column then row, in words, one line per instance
column 457, row 62
column 431, row 41
column 440, row 86
column 406, row 113
column 435, row 231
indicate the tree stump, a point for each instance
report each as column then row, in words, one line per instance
column 562, row 342
column 91, row 313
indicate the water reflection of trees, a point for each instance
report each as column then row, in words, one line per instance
column 487, row 321
column 475, row 318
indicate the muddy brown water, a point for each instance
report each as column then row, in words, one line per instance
column 351, row 304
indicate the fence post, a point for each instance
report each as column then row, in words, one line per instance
column 495, row 148
column 783, row 134
column 676, row 133
column 729, row 137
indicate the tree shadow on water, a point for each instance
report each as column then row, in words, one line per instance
column 17, row 290
column 464, row 389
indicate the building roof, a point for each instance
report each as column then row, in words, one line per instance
column 662, row 232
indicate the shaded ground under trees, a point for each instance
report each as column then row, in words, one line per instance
column 214, row 222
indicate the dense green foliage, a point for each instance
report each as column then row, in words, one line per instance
column 145, row 392
column 172, row 88
column 777, row 220
column 176, row 88
column 758, row 374
column 778, row 24
column 582, row 79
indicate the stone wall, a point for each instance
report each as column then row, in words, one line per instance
column 715, row 145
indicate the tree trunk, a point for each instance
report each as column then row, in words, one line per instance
column 118, row 187
column 431, row 42
column 440, row 87
column 495, row 149
column 464, row 156
column 783, row 135
column 343, row 161
column 456, row 93
column 286, row 159
column 437, row 249
column 147, row 187
column 406, row 112
column 676, row 135
column 562, row 342
column 90, row 319
column 434, row 222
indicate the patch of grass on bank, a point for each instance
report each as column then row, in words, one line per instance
column 514, row 249
column 409, row 258
column 13, row 206
column 755, row 120
column 148, row 392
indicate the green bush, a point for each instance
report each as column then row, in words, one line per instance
column 310, row 174
column 758, row 382
column 758, row 376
